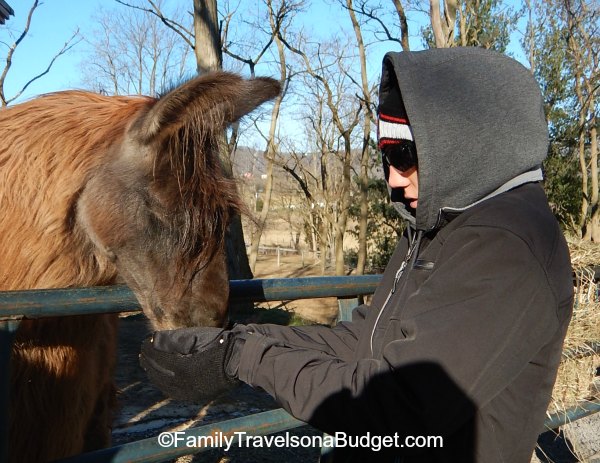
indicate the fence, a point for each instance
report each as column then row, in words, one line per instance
column 15, row 305
column 281, row 250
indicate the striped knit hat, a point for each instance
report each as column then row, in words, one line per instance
column 393, row 127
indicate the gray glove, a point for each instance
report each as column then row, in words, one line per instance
column 193, row 364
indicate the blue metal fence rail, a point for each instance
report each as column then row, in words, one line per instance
column 111, row 299
column 16, row 305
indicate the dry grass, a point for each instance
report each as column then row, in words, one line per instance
column 577, row 373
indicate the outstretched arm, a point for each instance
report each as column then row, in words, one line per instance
column 480, row 328
column 339, row 341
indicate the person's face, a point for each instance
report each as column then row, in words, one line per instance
column 408, row 180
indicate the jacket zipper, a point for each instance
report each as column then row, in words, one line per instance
column 399, row 273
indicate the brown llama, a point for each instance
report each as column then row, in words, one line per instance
column 95, row 190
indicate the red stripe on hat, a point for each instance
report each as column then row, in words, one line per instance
column 398, row 120
column 389, row 141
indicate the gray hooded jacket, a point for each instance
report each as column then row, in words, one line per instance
column 463, row 337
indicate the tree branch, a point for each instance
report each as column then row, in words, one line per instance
column 179, row 29
column 65, row 48
column 301, row 182
column 372, row 15
column 70, row 43
column 279, row 17
column 11, row 51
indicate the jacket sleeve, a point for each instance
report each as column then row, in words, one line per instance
column 339, row 341
column 469, row 330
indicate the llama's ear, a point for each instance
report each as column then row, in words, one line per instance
column 210, row 101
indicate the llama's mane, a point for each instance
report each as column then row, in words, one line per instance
column 192, row 158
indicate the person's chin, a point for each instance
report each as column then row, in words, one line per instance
column 413, row 203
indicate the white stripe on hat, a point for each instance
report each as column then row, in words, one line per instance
column 395, row 130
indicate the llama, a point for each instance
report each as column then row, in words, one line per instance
column 96, row 190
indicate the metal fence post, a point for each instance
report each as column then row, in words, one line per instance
column 345, row 308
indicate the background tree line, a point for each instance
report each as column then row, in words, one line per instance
column 320, row 132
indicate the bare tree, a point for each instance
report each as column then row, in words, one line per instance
column 184, row 31
column 133, row 54
column 332, row 116
column 279, row 16
column 366, row 103
column 379, row 14
column 70, row 43
column 443, row 25
column 582, row 19
column 251, row 52
column 468, row 23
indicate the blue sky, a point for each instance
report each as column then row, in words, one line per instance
column 52, row 25
column 55, row 21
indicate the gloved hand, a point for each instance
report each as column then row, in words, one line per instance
column 192, row 364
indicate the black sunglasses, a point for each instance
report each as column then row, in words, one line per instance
column 401, row 156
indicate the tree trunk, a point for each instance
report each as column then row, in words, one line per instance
column 262, row 219
column 584, row 230
column 443, row 28
column 208, row 48
column 270, row 152
column 403, row 25
column 584, row 185
column 594, row 224
column 530, row 37
column 324, row 246
column 594, row 221
column 341, row 220
column 363, row 180
column 208, row 52
column 585, row 60
column 339, row 251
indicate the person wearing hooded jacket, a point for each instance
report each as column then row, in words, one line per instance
column 464, row 335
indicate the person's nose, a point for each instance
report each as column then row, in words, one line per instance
column 396, row 179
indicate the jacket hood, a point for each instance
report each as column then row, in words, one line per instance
column 478, row 123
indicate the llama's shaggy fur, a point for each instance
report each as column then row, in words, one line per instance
column 49, row 147
column 96, row 188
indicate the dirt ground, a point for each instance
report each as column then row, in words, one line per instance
column 303, row 263
column 322, row 310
